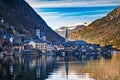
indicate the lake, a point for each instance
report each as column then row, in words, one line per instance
column 59, row 68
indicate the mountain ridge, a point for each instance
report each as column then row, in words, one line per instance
column 18, row 13
column 104, row 31
column 71, row 28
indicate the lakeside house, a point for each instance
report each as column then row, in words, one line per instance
column 60, row 47
column 8, row 39
column 35, row 44
column 18, row 47
column 50, row 47
column 42, row 45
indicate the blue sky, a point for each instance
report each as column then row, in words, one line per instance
column 58, row 13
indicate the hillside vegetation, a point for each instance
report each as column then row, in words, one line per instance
column 104, row 31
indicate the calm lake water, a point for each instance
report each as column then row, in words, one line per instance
column 59, row 68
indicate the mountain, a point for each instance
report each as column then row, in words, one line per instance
column 104, row 31
column 71, row 28
column 18, row 13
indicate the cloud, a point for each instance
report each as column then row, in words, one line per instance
column 56, row 21
column 78, row 11
column 71, row 3
column 59, row 13
column 56, row 17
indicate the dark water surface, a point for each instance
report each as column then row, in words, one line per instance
column 59, row 68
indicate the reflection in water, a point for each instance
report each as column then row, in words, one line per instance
column 66, row 67
column 60, row 68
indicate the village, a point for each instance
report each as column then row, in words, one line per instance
column 14, row 43
column 59, row 40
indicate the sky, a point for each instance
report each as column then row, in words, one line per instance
column 59, row 13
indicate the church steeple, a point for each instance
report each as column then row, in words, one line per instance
column 66, row 35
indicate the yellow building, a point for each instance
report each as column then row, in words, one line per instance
column 42, row 45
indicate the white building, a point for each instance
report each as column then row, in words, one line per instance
column 49, row 47
column 42, row 45
column 38, row 33
column 32, row 43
